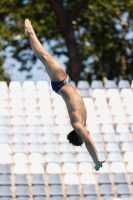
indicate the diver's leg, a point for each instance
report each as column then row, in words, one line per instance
column 54, row 69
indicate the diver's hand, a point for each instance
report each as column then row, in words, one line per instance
column 98, row 165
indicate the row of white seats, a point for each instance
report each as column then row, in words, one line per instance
column 114, row 111
column 102, row 93
column 119, row 121
column 91, row 118
column 29, row 116
column 43, row 102
column 81, row 84
column 42, row 85
column 96, row 93
column 5, row 157
column 99, row 113
column 48, row 111
column 88, row 102
column 35, row 116
column 35, row 137
column 109, row 128
column 35, row 121
column 63, row 129
column 27, row 85
column 108, row 144
column 108, row 119
column 54, row 168
column 61, row 111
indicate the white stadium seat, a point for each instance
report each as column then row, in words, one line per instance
column 28, row 85
column 69, row 168
column 36, row 158
column 87, row 179
column 27, row 94
column 71, row 179
column 126, row 93
column 85, row 168
column 43, row 94
column 15, row 85
column 20, row 158
column 42, row 85
column 3, row 86
column 15, row 111
column 3, row 95
column 36, row 168
column 31, row 112
column 44, row 103
column 117, row 167
column 16, row 94
column 60, row 112
column 20, row 168
column 110, row 93
column 30, row 103
column 128, row 156
column 98, row 93
column 5, row 158
column 16, row 103
column 53, row 168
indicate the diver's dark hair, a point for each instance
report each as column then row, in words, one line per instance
column 74, row 138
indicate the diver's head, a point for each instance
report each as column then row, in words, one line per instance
column 74, row 138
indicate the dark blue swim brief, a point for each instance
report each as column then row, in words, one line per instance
column 56, row 86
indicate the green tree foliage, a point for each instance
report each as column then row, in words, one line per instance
column 103, row 32
column 3, row 75
column 98, row 28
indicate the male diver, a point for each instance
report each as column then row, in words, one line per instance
column 60, row 83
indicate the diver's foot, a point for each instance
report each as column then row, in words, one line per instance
column 28, row 28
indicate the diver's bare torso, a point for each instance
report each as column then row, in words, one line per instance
column 75, row 105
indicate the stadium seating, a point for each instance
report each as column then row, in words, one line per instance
column 36, row 160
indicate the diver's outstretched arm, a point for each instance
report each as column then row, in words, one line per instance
column 88, row 143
